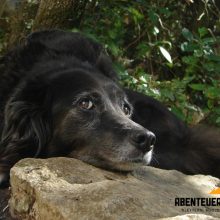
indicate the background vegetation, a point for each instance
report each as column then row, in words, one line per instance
column 167, row 49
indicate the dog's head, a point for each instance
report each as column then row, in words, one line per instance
column 72, row 107
column 91, row 119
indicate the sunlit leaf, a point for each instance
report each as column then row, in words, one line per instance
column 198, row 53
column 166, row 54
column 155, row 30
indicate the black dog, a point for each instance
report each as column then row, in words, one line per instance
column 60, row 98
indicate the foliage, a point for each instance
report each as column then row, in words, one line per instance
column 167, row 49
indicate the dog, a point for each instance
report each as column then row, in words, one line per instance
column 60, row 97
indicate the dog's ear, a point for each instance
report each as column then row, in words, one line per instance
column 77, row 45
column 27, row 125
column 104, row 64
column 68, row 43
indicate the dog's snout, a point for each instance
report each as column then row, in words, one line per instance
column 143, row 140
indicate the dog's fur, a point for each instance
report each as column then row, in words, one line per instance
column 191, row 150
column 47, row 82
column 59, row 97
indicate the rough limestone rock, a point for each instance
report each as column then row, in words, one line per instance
column 66, row 188
column 191, row 217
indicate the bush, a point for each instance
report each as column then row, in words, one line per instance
column 166, row 49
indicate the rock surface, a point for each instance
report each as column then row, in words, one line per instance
column 66, row 188
column 191, row 217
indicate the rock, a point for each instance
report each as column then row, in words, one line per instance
column 66, row 188
column 191, row 217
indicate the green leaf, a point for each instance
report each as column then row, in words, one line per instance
column 187, row 34
column 184, row 46
column 114, row 49
column 165, row 11
column 112, row 34
column 212, row 67
column 190, row 60
column 166, row 54
column 167, row 93
column 209, row 40
column 203, row 32
column 197, row 87
column 178, row 112
column 189, row 47
column 153, row 16
column 135, row 13
column 213, row 57
column 212, row 92
column 143, row 50
column 198, row 53
column 210, row 104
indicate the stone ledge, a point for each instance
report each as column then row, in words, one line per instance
column 66, row 188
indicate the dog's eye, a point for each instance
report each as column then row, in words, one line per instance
column 86, row 104
column 126, row 109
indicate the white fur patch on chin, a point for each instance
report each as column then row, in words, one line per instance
column 148, row 157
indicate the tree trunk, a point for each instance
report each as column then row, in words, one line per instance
column 39, row 15
column 2, row 7
column 20, row 22
column 54, row 14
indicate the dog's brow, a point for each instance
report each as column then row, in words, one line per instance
column 115, row 91
column 88, row 93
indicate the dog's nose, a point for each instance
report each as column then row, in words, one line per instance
column 144, row 140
